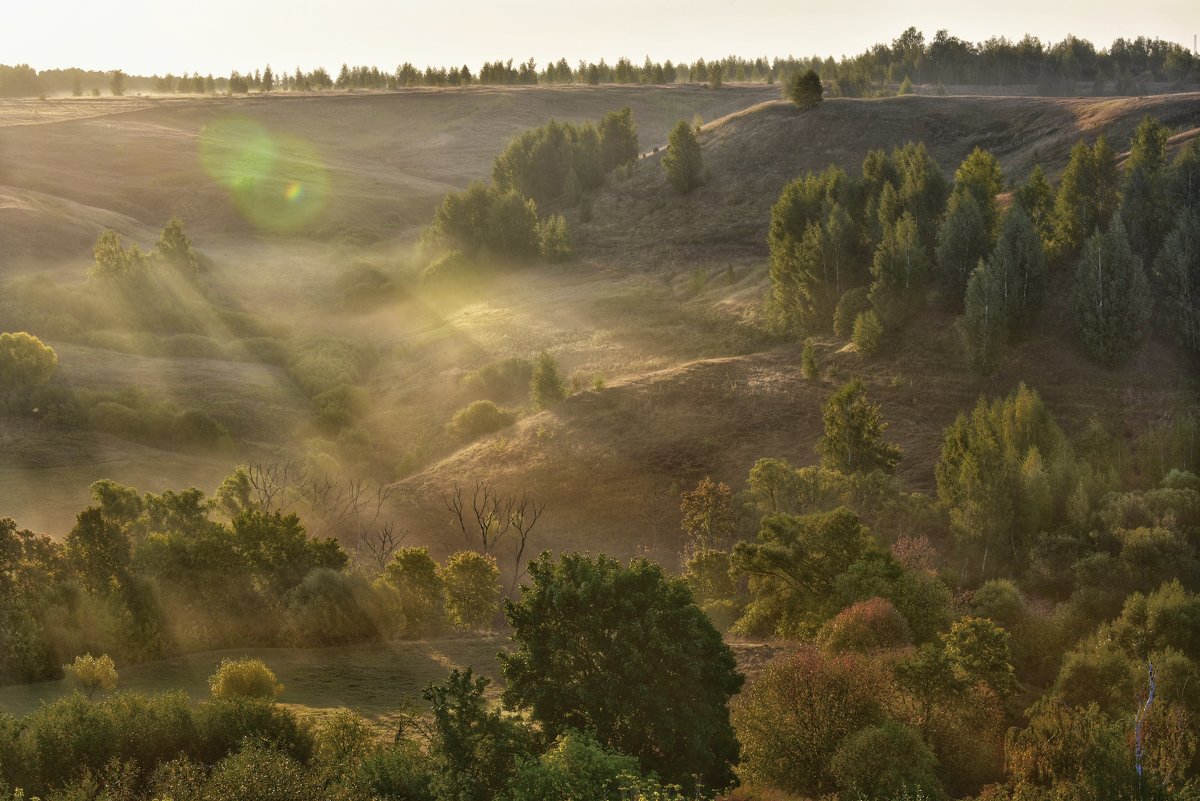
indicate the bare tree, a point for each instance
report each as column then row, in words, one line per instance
column 526, row 514
column 377, row 537
column 488, row 517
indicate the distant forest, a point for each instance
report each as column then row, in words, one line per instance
column 1127, row 66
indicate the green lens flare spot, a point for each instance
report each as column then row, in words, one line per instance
column 277, row 182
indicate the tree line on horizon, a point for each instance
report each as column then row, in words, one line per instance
column 1054, row 67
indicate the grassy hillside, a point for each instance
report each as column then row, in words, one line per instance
column 662, row 305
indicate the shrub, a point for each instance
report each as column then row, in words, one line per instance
column 554, row 242
column 401, row 771
column 852, row 303
column 472, row 590
column 683, row 162
column 546, row 385
column 262, row 774
column 93, row 673
column 504, row 378
column 884, row 761
column 224, row 726
column 243, row 678
column 575, row 767
column 25, row 362
column 331, row 608
column 867, row 626
column 479, row 419
column 338, row 406
column 192, row 346
column 868, row 333
column 194, row 427
column 414, row 575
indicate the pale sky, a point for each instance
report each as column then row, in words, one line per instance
column 160, row 36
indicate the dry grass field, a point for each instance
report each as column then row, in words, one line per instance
column 663, row 303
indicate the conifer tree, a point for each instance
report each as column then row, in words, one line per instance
column 983, row 326
column 683, row 162
column 805, row 89
column 1110, row 298
column 1019, row 265
column 899, row 273
column 1177, row 276
column 963, row 240
column 546, row 387
column 268, row 79
column 1144, row 209
column 853, row 441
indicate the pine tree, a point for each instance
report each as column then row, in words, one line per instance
column 808, row 360
column 899, row 272
column 980, row 175
column 1019, row 265
column 268, row 79
column 1036, row 197
column 683, row 162
column 1111, row 299
column 546, row 387
column 1177, row 276
column 984, row 325
column 1144, row 210
column 805, row 89
column 963, row 240
column 853, row 441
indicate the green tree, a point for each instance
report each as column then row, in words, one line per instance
column 808, row 361
column 618, row 139
column 1087, row 195
column 899, row 271
column 554, row 242
column 853, row 440
column 793, row 565
column 25, row 362
column 111, row 259
column 656, row 676
column 546, row 387
column 175, row 248
column 979, row 175
column 886, row 761
column 1110, row 298
column 116, row 83
column 683, row 162
column 868, row 333
column 805, row 90
column 707, row 515
column 983, row 326
column 978, row 651
column 475, row 750
column 92, row 673
column 575, row 767
column 1145, row 209
column 414, row 574
column 268, row 79
column 1018, row 263
column 963, row 240
column 1036, row 197
column 1177, row 276
column 471, row 582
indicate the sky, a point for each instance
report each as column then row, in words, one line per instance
column 159, row 36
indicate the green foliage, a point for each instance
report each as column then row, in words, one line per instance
column 1069, row 752
column 546, row 385
column 866, row 626
column 618, row 139
column 503, row 379
column 707, row 515
column 683, row 162
column 1036, row 198
column 981, row 477
column 805, row 89
column 471, row 583
column 979, row 176
column 332, row 608
column 262, row 774
column 554, row 242
column 983, row 325
column 414, row 575
column 851, row 304
column 853, row 439
column 883, row 762
column 808, row 361
column 814, row 244
column 243, row 678
column 661, row 694
column 1087, row 196
column 793, row 566
column 475, row 752
column 175, row 248
column 91, row 673
column 707, row 574
column 1110, row 298
column 906, row 87
column 486, row 216
column 25, row 363
column 795, row 716
column 899, row 271
column 480, row 418
column 978, row 651
column 1019, row 264
column 868, row 333
column 576, row 767
column 1177, row 278
column 1145, row 210
column 963, row 241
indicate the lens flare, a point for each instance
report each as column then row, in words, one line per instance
column 277, row 181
